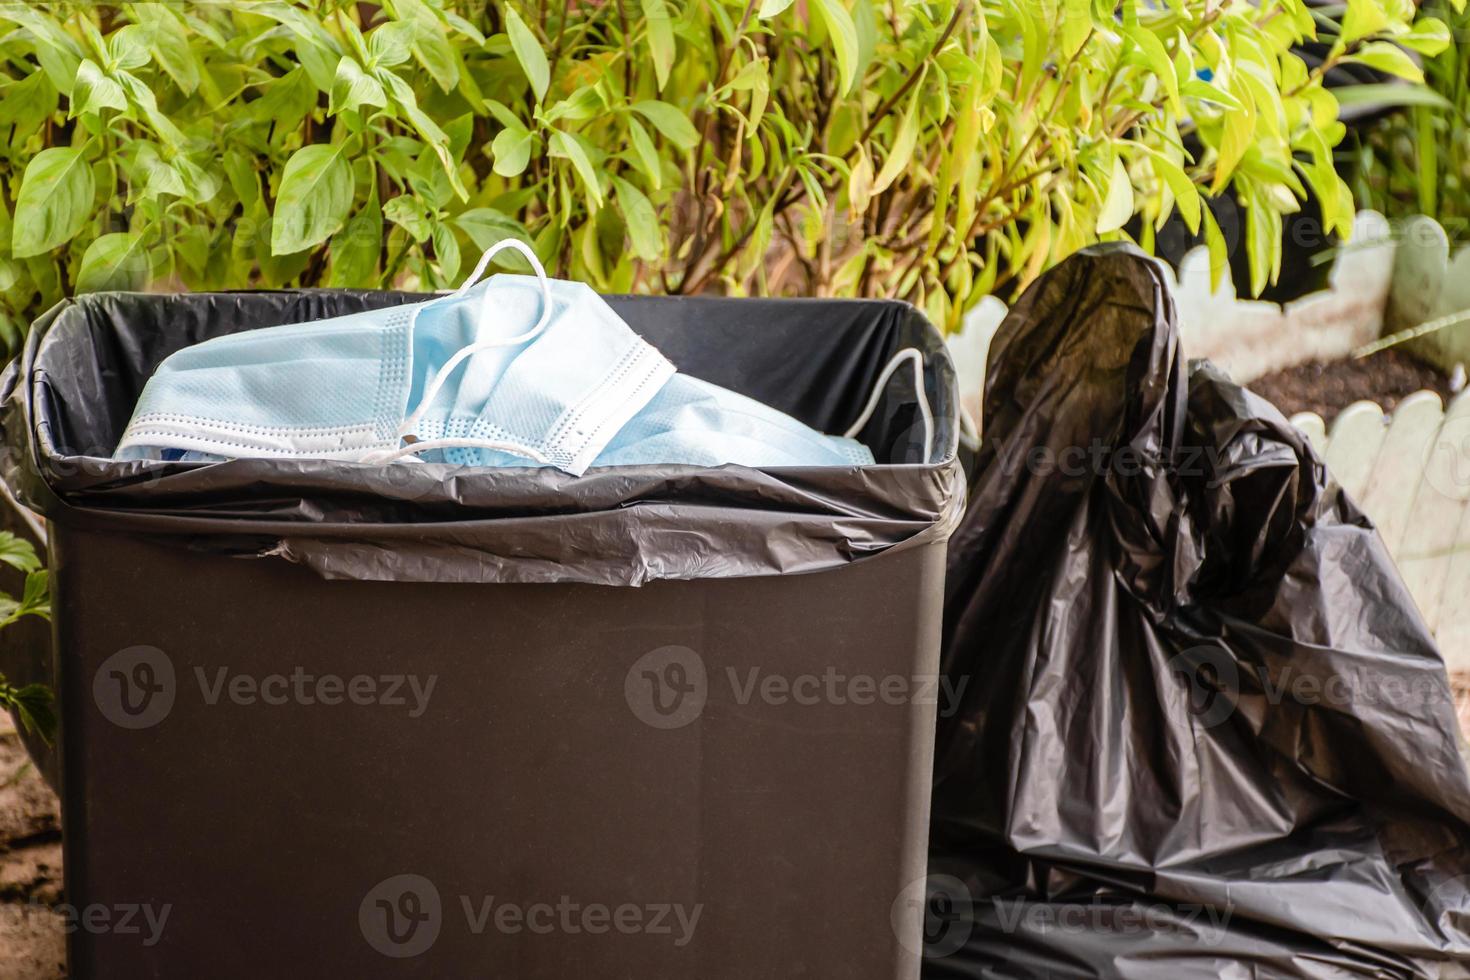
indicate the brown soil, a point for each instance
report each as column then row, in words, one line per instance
column 32, row 943
column 1385, row 377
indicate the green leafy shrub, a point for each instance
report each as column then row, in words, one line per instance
column 833, row 147
column 33, row 703
column 1417, row 160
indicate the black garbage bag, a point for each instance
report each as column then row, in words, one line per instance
column 1203, row 730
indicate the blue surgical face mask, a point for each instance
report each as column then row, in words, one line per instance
column 694, row 422
column 539, row 369
column 518, row 371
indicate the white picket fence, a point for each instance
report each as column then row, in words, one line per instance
column 1410, row 473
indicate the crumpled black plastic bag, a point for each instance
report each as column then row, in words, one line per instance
column 65, row 402
column 1204, row 732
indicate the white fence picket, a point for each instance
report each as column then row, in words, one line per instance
column 1434, row 519
column 1315, row 429
column 1353, row 444
column 1452, row 629
column 1389, row 497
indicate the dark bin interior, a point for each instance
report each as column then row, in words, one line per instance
column 814, row 359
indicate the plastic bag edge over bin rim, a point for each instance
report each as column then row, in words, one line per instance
column 895, row 505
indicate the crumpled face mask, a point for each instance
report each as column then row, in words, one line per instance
column 517, row 371
column 544, row 370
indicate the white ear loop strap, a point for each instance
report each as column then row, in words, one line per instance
column 912, row 355
column 469, row 350
column 414, row 448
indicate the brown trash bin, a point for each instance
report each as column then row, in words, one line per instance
column 323, row 719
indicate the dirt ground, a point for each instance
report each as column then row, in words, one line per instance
column 1328, row 388
column 32, row 946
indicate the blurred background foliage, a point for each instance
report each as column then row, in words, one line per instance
column 929, row 151
column 1417, row 160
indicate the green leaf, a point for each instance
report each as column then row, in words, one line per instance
column 511, row 151
column 55, row 201
column 644, row 153
column 1076, row 25
column 434, row 52
column 903, row 146
column 94, row 91
column 446, row 251
column 26, row 105
column 844, row 41
column 660, row 38
column 355, row 249
column 1117, row 206
column 1237, row 136
column 408, row 213
column 437, row 139
column 1186, row 195
column 127, row 47
column 1262, row 240
column 668, row 120
column 114, row 261
column 1390, row 58
column 486, row 226
column 1219, row 254
column 36, row 598
column 168, row 40
column 142, row 96
column 643, row 227
column 860, row 186
column 773, row 8
column 353, row 88
column 1157, row 59
column 581, row 105
column 390, row 44
column 1429, row 36
column 18, row 553
column 285, row 102
column 1392, row 94
column 528, row 52
column 575, row 149
column 34, row 706
column 314, row 199
column 1362, row 19
column 56, row 51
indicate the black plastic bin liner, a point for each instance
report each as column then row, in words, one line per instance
column 1206, row 732
column 86, row 361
